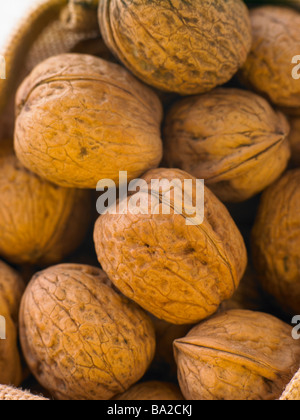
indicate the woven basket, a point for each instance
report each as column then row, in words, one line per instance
column 49, row 28
column 8, row 393
column 292, row 391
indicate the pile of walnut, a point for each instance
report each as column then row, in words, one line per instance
column 203, row 89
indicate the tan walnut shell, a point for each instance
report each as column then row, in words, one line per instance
column 294, row 139
column 276, row 241
column 40, row 223
column 237, row 355
column 231, row 138
column 178, row 272
column 186, row 47
column 80, row 338
column 268, row 68
column 11, row 290
column 152, row 391
column 81, row 119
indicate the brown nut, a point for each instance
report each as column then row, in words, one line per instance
column 276, row 242
column 237, row 355
column 81, row 119
column 178, row 272
column 8, row 393
column 294, row 140
column 231, row 138
column 152, row 391
column 188, row 47
column 268, row 68
column 80, row 338
column 11, row 289
column 39, row 222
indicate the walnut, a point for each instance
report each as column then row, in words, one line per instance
column 40, row 223
column 11, row 290
column 152, row 391
column 231, row 138
column 268, row 68
column 237, row 355
column 80, row 338
column 81, row 119
column 178, row 272
column 187, row 46
column 276, row 242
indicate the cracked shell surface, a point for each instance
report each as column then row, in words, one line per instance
column 237, row 355
column 39, row 222
column 11, row 290
column 182, row 46
column 276, row 242
column 81, row 339
column 152, row 391
column 231, row 138
column 178, row 272
column 268, row 68
column 81, row 119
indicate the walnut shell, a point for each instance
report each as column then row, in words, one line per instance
column 177, row 272
column 268, row 68
column 292, row 391
column 81, row 119
column 39, row 222
column 237, row 355
column 276, row 241
column 80, row 338
column 8, row 393
column 152, row 391
column 231, row 138
column 294, row 140
column 187, row 47
column 11, row 290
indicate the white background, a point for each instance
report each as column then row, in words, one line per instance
column 10, row 13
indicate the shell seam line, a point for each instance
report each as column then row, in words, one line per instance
column 241, row 356
column 281, row 140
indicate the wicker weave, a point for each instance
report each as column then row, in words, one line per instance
column 13, row 394
column 292, row 391
column 51, row 27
